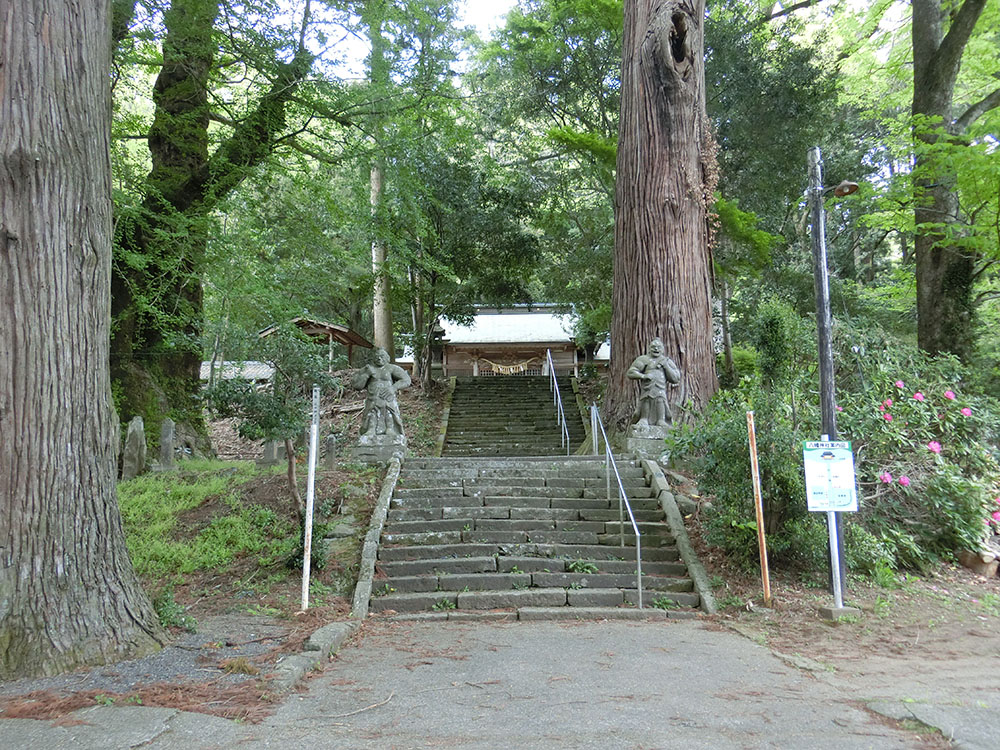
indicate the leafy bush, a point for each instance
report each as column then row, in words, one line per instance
column 744, row 366
column 924, row 446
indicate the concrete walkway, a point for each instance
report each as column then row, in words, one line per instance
column 672, row 684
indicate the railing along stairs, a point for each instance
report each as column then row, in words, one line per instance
column 557, row 401
column 610, row 465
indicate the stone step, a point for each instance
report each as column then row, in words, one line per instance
column 501, row 512
column 518, row 549
column 533, row 535
column 468, row 523
column 446, row 600
column 490, row 581
column 427, row 480
column 519, row 501
column 515, row 565
column 530, row 597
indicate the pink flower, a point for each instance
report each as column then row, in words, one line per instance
column 918, row 396
column 966, row 411
column 839, row 407
column 888, row 417
column 934, row 446
column 881, row 407
column 950, row 395
column 997, row 501
column 904, row 480
column 886, row 478
column 888, row 402
column 996, row 515
column 900, row 384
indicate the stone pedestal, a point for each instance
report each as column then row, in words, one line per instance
column 378, row 449
column 835, row 613
column 646, row 441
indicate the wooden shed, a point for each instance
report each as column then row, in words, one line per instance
column 330, row 333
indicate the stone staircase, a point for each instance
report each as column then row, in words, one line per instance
column 529, row 537
column 510, row 416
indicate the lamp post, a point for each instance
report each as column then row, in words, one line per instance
column 821, row 281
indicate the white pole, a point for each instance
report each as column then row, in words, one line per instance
column 838, row 597
column 310, row 498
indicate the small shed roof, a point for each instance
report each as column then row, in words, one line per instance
column 511, row 328
column 248, row 370
column 324, row 330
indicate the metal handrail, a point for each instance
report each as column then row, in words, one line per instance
column 611, row 465
column 557, row 400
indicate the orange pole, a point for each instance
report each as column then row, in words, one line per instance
column 759, row 507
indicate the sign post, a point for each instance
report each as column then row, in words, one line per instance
column 831, row 489
column 310, row 498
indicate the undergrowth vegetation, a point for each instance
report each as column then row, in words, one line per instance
column 227, row 534
column 152, row 504
column 924, row 439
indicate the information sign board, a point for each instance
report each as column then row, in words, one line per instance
column 830, row 482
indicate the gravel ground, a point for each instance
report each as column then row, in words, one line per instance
column 191, row 657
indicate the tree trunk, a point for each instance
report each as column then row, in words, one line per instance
column 293, row 481
column 665, row 180
column 374, row 16
column 381, row 311
column 727, row 338
column 69, row 595
column 944, row 270
column 157, row 292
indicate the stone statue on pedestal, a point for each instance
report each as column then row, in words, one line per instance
column 381, row 432
column 655, row 372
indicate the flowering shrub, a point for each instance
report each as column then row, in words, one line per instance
column 928, row 479
column 939, row 443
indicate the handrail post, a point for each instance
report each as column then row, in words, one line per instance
column 609, row 464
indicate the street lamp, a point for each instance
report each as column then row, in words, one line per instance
column 821, row 281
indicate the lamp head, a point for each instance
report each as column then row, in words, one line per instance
column 846, row 187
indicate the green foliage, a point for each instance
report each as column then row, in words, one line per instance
column 151, row 505
column 281, row 411
column 319, row 548
column 581, row 566
column 172, row 614
column 923, row 442
column 775, row 339
column 664, row 602
column 744, row 366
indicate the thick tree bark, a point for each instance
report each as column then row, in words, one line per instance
column 945, row 272
column 664, row 185
column 69, row 595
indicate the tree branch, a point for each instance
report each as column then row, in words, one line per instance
column 977, row 110
column 949, row 53
column 789, row 10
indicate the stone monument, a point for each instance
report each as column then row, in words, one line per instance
column 655, row 372
column 134, row 455
column 167, row 431
column 381, row 435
